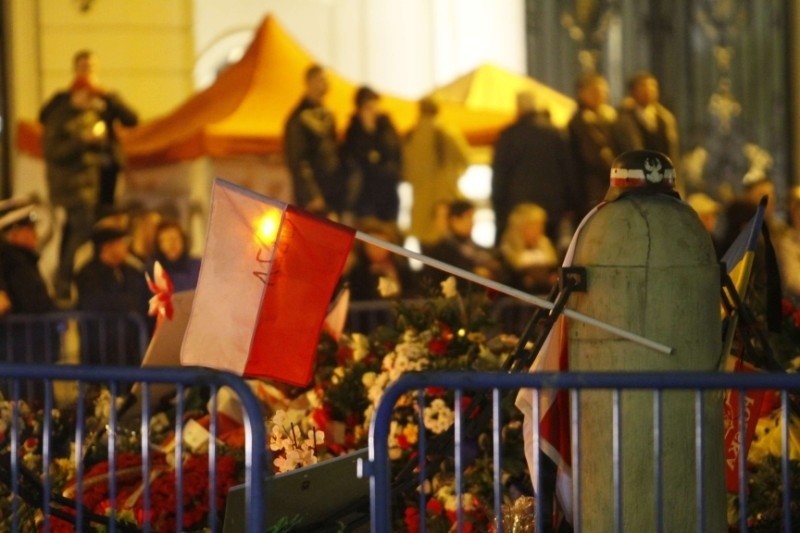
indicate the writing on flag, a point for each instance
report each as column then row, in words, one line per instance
column 266, row 279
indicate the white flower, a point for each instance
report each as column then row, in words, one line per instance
column 387, row 287
column 368, row 379
column 102, row 406
column 449, row 289
column 279, row 418
column 159, row 423
column 438, row 416
column 315, row 438
column 410, row 350
column 360, row 345
column 289, row 462
column 338, row 374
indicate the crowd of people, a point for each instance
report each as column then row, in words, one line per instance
column 544, row 180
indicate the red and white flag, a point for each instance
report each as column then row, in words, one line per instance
column 553, row 427
column 266, row 279
column 337, row 314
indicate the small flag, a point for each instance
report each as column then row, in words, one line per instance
column 337, row 314
column 738, row 260
column 553, row 426
column 266, row 279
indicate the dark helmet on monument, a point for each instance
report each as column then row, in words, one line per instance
column 641, row 172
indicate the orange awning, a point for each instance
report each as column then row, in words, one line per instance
column 244, row 111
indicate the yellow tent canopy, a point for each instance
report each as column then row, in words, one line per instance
column 244, row 110
column 491, row 88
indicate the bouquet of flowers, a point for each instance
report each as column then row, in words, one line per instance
column 444, row 332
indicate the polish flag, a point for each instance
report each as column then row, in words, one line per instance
column 552, row 430
column 266, row 279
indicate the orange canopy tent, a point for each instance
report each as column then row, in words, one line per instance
column 244, row 111
column 494, row 89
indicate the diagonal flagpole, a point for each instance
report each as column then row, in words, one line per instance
column 505, row 289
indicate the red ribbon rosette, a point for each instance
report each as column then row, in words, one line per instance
column 162, row 288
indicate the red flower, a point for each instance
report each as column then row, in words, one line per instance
column 321, row 417
column 402, row 441
column 796, row 318
column 411, row 519
column 436, row 392
column 786, row 307
column 466, row 403
column 435, row 507
column 438, row 346
column 30, row 444
column 343, row 355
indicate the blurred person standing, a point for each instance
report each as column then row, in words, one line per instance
column 377, row 272
column 107, row 284
column 372, row 158
column 756, row 185
column 643, row 123
column 787, row 248
column 530, row 258
column 22, row 287
column 457, row 247
column 143, row 227
column 532, row 164
column 23, row 290
column 172, row 252
column 708, row 210
column 311, row 149
column 113, row 110
column 591, row 133
column 77, row 145
column 434, row 158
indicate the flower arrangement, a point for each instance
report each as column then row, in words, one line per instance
column 444, row 332
column 765, row 481
column 448, row 331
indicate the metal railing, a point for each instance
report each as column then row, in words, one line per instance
column 698, row 385
column 133, row 396
column 74, row 336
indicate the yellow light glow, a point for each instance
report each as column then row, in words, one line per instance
column 267, row 227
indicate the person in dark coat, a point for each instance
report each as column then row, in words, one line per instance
column 113, row 111
column 643, row 123
column 372, row 263
column 458, row 248
column 312, row 151
column 23, row 290
column 591, row 135
column 532, row 165
column 107, row 284
column 371, row 153
column 172, row 253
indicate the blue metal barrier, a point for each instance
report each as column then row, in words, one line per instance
column 379, row 468
column 364, row 316
column 134, row 393
column 102, row 338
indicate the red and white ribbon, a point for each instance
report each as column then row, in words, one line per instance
column 162, row 289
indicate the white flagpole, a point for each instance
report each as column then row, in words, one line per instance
column 505, row 289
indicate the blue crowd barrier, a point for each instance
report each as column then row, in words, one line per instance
column 134, row 393
column 378, row 467
column 101, row 338
column 364, row 316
